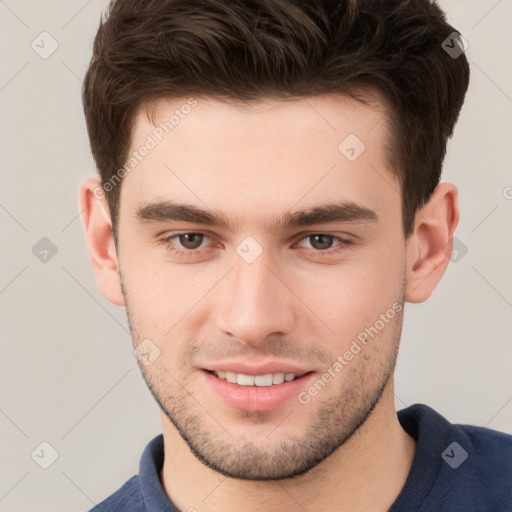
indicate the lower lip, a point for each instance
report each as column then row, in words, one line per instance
column 257, row 398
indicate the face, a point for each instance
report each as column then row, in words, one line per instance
column 293, row 283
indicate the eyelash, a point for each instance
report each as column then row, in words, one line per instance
column 192, row 252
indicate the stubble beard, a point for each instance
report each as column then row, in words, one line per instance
column 335, row 417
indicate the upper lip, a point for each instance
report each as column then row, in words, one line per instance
column 256, row 369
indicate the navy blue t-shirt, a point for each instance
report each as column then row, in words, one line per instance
column 456, row 468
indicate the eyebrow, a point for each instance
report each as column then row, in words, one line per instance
column 347, row 211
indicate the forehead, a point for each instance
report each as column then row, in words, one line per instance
column 263, row 156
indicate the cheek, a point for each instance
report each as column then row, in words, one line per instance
column 347, row 297
column 162, row 294
column 351, row 297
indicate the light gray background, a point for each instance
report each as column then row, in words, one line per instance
column 68, row 375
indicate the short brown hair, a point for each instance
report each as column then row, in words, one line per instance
column 244, row 50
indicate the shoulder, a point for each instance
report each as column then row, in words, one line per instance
column 143, row 491
column 470, row 466
column 492, row 451
column 479, row 467
column 126, row 499
column 485, row 439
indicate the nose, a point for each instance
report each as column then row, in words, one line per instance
column 255, row 303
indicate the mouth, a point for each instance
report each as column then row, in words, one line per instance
column 265, row 380
column 262, row 392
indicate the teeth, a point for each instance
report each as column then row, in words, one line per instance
column 255, row 380
column 231, row 377
column 245, row 380
column 263, row 380
column 278, row 378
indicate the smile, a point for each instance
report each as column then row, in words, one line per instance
column 268, row 379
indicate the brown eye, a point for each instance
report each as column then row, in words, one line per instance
column 190, row 240
column 321, row 242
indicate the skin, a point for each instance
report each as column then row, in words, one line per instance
column 344, row 449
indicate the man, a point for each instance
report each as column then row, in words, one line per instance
column 269, row 200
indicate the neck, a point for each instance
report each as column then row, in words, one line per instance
column 366, row 473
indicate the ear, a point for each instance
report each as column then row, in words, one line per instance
column 96, row 220
column 431, row 243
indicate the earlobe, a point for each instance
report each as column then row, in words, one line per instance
column 95, row 216
column 430, row 245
